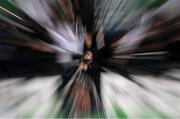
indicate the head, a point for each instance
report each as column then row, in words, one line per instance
column 88, row 57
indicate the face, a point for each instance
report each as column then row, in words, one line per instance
column 88, row 56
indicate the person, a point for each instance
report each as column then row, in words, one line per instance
column 85, row 89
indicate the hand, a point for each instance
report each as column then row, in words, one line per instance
column 83, row 66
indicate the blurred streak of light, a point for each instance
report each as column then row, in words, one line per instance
column 15, row 24
column 67, row 41
column 173, row 73
column 132, row 98
column 100, row 39
column 41, row 99
column 151, row 53
column 130, row 41
column 157, row 92
column 117, row 14
column 170, row 8
column 64, row 43
column 128, row 13
column 11, row 13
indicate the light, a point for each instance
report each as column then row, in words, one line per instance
column 11, row 13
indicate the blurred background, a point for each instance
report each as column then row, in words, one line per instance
column 90, row 59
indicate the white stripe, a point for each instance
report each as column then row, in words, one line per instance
column 11, row 13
